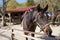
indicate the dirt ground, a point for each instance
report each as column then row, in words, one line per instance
column 5, row 33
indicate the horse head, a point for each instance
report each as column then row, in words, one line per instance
column 41, row 19
column 31, row 19
column 41, row 11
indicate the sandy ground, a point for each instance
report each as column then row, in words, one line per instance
column 5, row 33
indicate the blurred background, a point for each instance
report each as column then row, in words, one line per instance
column 14, row 7
column 12, row 4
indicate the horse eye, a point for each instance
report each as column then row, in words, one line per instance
column 49, row 14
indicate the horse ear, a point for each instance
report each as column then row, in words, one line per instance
column 46, row 8
column 38, row 5
column 39, row 8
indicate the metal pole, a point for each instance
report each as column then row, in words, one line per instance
column 3, row 13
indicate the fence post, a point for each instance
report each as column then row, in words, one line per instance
column 12, row 35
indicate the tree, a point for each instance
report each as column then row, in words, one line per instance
column 10, row 6
column 51, row 3
column 30, row 2
column 4, row 12
column 24, row 4
column 58, row 3
column 0, row 9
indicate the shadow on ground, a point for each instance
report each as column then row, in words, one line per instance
column 50, row 38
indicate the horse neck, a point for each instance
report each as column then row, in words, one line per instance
column 30, row 15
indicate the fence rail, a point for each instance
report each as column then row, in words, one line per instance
column 13, row 34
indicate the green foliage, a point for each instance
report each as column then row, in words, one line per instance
column 58, row 4
column 30, row 2
column 53, row 4
column 0, row 10
column 12, row 4
column 27, row 3
column 24, row 4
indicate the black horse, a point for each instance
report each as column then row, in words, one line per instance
column 31, row 19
